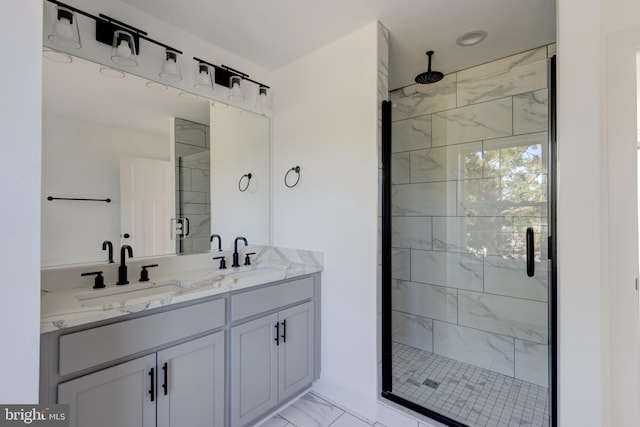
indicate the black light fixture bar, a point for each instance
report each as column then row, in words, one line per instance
column 139, row 33
column 81, row 12
column 224, row 73
column 105, row 26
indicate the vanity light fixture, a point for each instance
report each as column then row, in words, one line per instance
column 65, row 29
column 124, row 50
column 170, row 67
column 235, row 88
column 204, row 80
column 262, row 100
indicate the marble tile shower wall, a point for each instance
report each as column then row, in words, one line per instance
column 193, row 192
column 469, row 173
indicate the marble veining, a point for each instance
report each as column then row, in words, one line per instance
column 400, row 168
column 531, row 112
column 462, row 161
column 492, row 119
column 508, row 277
column 311, row 411
column 462, row 271
column 61, row 309
column 426, row 301
column 412, row 330
column 424, row 199
column 516, row 80
column 411, row 134
column 417, row 99
column 532, row 362
column 484, row 349
column 504, row 65
column 514, row 317
column 411, row 232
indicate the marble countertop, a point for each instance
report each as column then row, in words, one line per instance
column 65, row 308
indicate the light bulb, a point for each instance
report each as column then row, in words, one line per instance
column 123, row 49
column 203, row 78
column 63, row 28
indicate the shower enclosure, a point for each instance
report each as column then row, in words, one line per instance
column 468, row 272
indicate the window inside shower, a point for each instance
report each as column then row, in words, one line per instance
column 469, row 309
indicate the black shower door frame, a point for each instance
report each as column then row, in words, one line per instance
column 386, row 328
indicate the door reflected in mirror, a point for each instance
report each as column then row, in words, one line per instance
column 122, row 140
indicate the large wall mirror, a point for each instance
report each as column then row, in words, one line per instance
column 174, row 166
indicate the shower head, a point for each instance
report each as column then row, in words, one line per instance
column 429, row 76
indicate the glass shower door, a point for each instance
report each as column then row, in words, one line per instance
column 469, row 227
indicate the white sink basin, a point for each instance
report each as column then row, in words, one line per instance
column 252, row 272
column 117, row 294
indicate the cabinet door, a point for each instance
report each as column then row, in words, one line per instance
column 254, row 364
column 114, row 397
column 296, row 351
column 191, row 383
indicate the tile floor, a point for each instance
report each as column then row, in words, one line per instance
column 472, row 395
column 466, row 393
column 313, row 411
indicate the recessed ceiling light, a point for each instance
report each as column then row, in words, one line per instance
column 111, row 72
column 471, row 38
column 57, row 56
column 158, row 87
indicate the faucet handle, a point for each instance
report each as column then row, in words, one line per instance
column 247, row 260
column 144, row 274
column 223, row 262
column 98, row 283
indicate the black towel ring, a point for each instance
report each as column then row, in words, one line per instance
column 248, row 176
column 295, row 169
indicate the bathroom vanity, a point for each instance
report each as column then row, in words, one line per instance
column 207, row 348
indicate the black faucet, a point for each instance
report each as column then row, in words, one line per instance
column 236, row 263
column 108, row 244
column 122, row 270
column 217, row 236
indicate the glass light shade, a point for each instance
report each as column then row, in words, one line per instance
column 204, row 78
column 65, row 32
column 123, row 50
column 235, row 88
column 262, row 101
column 170, row 68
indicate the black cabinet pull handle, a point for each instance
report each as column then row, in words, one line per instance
column 284, row 330
column 165, row 386
column 530, row 264
column 153, row 384
column 277, row 338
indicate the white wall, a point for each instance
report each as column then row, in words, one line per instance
column 598, row 324
column 20, row 110
column 325, row 121
column 83, row 160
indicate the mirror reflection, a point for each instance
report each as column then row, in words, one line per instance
column 152, row 150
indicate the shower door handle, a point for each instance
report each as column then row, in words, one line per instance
column 530, row 264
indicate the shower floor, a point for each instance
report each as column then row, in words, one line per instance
column 471, row 395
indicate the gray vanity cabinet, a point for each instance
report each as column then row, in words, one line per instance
column 184, row 384
column 116, row 396
column 272, row 359
column 192, row 392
